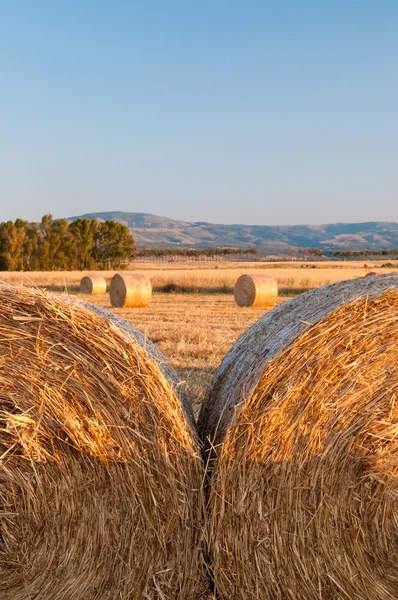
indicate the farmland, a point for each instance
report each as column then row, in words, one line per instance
column 194, row 330
column 210, row 277
column 196, row 321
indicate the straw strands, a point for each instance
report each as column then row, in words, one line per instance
column 132, row 334
column 303, row 494
column 130, row 291
column 100, row 474
column 256, row 290
column 244, row 363
column 93, row 284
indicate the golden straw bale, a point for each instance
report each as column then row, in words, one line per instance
column 256, row 290
column 93, row 284
column 304, row 486
column 100, row 470
column 135, row 335
column 130, row 291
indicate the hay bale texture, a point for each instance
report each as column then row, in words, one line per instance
column 93, row 284
column 130, row 291
column 100, row 473
column 304, row 487
column 256, row 290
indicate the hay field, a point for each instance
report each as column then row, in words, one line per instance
column 292, row 277
column 195, row 330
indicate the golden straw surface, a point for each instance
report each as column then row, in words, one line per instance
column 132, row 334
column 303, row 493
column 93, row 284
column 256, row 290
column 130, row 290
column 100, row 473
column 277, row 329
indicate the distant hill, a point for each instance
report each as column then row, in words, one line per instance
column 161, row 232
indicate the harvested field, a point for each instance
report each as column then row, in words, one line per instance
column 194, row 332
column 292, row 277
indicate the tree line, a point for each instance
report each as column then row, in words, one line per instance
column 360, row 253
column 195, row 251
column 56, row 245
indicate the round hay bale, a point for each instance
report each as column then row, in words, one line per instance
column 304, row 488
column 100, row 470
column 135, row 335
column 256, row 290
column 93, row 284
column 130, row 291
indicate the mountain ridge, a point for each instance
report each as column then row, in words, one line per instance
column 156, row 231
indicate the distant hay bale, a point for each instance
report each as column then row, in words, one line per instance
column 303, row 412
column 100, row 473
column 93, row 284
column 130, row 291
column 256, row 290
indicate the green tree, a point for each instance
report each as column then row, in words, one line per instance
column 43, row 244
column 62, row 247
column 315, row 251
column 31, row 259
column 58, row 245
column 84, row 232
column 115, row 246
column 4, row 246
column 11, row 245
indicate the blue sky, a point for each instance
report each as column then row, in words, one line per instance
column 224, row 111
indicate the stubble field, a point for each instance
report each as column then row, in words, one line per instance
column 216, row 277
column 194, row 332
column 195, row 329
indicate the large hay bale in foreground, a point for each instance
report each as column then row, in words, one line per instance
column 93, row 284
column 100, row 473
column 303, row 493
column 130, row 291
column 256, row 290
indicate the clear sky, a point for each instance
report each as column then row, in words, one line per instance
column 259, row 112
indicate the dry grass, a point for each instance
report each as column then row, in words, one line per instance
column 100, row 481
column 291, row 277
column 194, row 332
column 304, row 491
